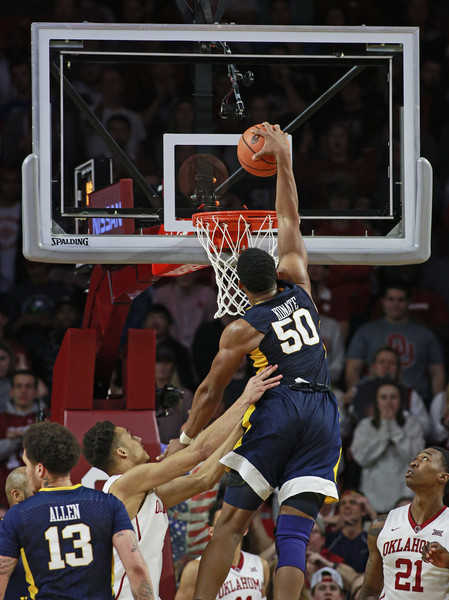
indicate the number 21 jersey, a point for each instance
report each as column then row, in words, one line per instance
column 400, row 544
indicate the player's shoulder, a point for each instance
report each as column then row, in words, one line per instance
column 377, row 526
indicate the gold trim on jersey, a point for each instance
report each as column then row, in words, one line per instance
column 259, row 359
column 63, row 487
column 329, row 499
column 29, row 576
column 245, row 423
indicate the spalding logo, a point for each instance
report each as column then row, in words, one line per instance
column 255, row 138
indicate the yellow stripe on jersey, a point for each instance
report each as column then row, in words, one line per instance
column 329, row 499
column 28, row 575
column 63, row 487
column 259, row 359
column 245, row 423
column 112, row 574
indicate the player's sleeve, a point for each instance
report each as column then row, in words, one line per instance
column 120, row 517
column 9, row 539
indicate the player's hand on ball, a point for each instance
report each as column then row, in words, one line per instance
column 276, row 141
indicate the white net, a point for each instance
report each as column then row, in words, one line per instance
column 224, row 243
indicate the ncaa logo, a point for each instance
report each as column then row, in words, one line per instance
column 255, row 138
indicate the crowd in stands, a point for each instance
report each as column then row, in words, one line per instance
column 386, row 329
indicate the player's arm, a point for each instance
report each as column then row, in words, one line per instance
column 266, row 575
column 7, row 566
column 202, row 480
column 374, row 575
column 188, row 581
column 237, row 339
column 142, row 478
column 293, row 257
column 125, row 542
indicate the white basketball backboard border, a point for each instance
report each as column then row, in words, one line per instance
column 41, row 244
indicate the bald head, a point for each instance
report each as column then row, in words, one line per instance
column 17, row 486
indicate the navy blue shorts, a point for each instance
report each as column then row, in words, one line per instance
column 291, row 441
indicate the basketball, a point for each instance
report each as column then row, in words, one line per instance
column 249, row 144
column 206, row 165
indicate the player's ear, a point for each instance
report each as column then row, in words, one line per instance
column 121, row 452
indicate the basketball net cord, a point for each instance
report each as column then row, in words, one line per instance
column 223, row 250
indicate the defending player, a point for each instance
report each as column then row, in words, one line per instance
column 398, row 541
column 292, row 437
column 148, row 489
column 66, row 532
column 248, row 577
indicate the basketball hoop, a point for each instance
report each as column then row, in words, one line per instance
column 224, row 235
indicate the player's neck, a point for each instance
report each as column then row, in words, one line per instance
column 56, row 481
column 425, row 506
column 256, row 298
column 236, row 559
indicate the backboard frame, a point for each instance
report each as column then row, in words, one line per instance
column 42, row 242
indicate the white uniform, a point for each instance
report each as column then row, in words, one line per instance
column 245, row 581
column 150, row 525
column 400, row 544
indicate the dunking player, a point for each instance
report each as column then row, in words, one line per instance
column 400, row 562
column 292, row 437
column 147, row 489
column 66, row 532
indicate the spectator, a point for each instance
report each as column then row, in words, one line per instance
column 159, row 318
column 361, row 399
column 382, row 446
column 328, row 303
column 316, row 177
column 439, row 414
column 206, row 342
column 111, row 103
column 318, row 556
column 327, row 584
column 21, row 412
column 421, row 356
column 350, row 540
column 16, row 117
column 190, row 304
column 6, row 369
column 10, row 226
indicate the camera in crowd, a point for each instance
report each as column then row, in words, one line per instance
column 167, row 397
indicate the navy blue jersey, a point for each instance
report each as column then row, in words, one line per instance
column 65, row 535
column 292, row 339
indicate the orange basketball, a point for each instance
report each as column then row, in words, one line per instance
column 249, row 144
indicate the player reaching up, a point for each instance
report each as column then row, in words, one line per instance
column 292, row 437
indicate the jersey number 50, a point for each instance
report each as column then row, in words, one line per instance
column 294, row 332
column 82, row 542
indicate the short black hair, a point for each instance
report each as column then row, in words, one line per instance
column 256, row 270
column 23, row 372
column 98, row 443
column 53, row 445
column 445, row 462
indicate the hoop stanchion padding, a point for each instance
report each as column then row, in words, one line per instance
column 224, row 235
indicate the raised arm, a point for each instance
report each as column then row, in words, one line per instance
column 374, row 575
column 238, row 339
column 293, row 257
column 125, row 542
column 142, row 478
